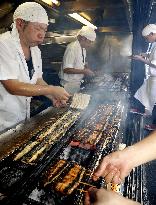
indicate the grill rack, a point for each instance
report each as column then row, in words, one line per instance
column 33, row 180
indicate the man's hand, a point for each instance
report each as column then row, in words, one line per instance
column 115, row 167
column 57, row 103
column 139, row 58
column 59, row 93
column 145, row 55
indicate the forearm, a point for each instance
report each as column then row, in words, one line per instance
column 73, row 71
column 40, row 81
column 25, row 89
column 108, row 197
column 130, row 202
column 143, row 151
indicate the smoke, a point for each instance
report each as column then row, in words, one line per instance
column 110, row 53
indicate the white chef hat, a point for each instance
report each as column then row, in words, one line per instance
column 31, row 11
column 151, row 28
column 87, row 32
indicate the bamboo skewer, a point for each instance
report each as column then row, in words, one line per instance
column 87, row 184
column 82, row 190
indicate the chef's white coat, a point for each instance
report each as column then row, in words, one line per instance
column 74, row 57
column 14, row 109
column 146, row 94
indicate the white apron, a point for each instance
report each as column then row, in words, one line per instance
column 146, row 94
column 74, row 57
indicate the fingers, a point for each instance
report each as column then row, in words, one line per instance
column 56, row 103
column 110, row 173
column 59, row 103
column 101, row 169
column 60, row 94
column 66, row 94
column 117, row 179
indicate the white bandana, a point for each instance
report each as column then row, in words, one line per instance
column 87, row 32
column 31, row 11
column 151, row 28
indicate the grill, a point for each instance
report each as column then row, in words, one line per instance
column 56, row 162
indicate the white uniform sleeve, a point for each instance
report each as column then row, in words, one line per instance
column 153, row 60
column 69, row 58
column 9, row 67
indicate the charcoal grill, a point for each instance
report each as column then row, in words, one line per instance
column 95, row 133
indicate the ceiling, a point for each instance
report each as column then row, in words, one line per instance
column 107, row 15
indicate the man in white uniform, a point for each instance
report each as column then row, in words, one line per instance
column 146, row 94
column 74, row 60
column 21, row 66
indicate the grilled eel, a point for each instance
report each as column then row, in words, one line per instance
column 53, row 171
column 68, row 179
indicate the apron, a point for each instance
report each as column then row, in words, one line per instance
column 146, row 94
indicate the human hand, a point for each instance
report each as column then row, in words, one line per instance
column 115, row 167
column 59, row 94
column 138, row 57
column 104, row 197
column 145, row 55
column 57, row 103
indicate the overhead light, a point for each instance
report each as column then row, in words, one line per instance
column 56, row 2
column 51, row 2
column 82, row 20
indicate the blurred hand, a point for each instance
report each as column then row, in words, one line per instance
column 115, row 167
column 145, row 55
column 104, row 197
column 59, row 94
column 57, row 103
column 139, row 58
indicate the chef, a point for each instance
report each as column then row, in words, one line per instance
column 146, row 94
column 21, row 66
column 74, row 66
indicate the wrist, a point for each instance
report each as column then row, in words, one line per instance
column 130, row 153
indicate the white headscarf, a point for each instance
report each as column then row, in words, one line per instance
column 87, row 32
column 31, row 11
column 151, row 28
column 28, row 11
